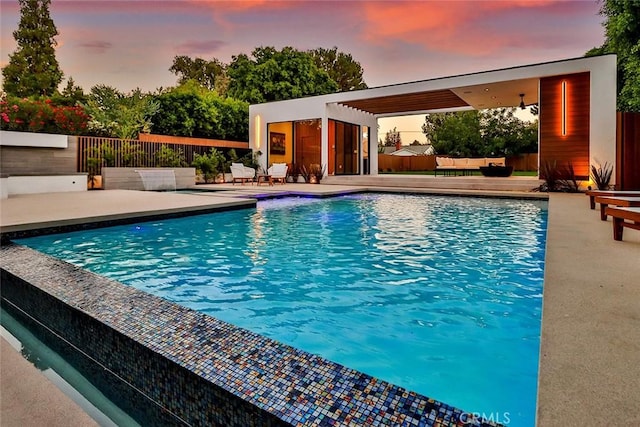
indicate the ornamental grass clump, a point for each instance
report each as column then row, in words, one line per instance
column 601, row 175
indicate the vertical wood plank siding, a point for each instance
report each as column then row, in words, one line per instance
column 574, row 146
column 628, row 151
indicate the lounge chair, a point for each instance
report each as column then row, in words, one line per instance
column 623, row 217
column 278, row 172
column 626, row 202
column 593, row 193
column 242, row 173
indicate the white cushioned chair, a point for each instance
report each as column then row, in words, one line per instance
column 242, row 173
column 278, row 172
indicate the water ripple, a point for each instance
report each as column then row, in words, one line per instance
column 421, row 291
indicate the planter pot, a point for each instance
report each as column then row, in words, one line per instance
column 97, row 183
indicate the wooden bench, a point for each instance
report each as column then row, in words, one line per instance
column 594, row 193
column 623, row 217
column 626, row 202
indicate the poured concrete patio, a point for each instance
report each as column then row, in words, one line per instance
column 590, row 349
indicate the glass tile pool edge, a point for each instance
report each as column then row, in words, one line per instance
column 293, row 385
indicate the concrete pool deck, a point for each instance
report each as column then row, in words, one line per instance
column 590, row 350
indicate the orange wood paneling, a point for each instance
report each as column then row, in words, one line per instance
column 628, row 151
column 332, row 147
column 307, row 142
column 574, row 146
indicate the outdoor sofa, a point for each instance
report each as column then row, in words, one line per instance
column 465, row 165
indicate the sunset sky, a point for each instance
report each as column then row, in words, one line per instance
column 129, row 44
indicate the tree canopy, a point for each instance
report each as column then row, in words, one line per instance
column 274, row 75
column 496, row 132
column 341, row 67
column 622, row 37
column 392, row 138
column 33, row 69
column 117, row 114
column 210, row 74
column 191, row 110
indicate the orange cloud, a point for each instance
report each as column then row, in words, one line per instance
column 467, row 27
column 223, row 10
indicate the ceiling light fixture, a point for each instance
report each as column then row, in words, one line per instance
column 522, row 106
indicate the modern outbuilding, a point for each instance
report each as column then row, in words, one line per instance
column 576, row 99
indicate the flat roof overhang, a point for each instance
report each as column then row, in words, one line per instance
column 481, row 90
column 478, row 97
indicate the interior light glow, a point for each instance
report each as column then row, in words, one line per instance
column 257, row 131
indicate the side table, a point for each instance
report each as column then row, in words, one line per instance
column 264, row 179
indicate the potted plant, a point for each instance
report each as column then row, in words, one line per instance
column 314, row 174
column 93, row 166
column 293, row 173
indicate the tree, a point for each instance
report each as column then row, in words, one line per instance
column 73, row 94
column 340, row 66
column 486, row 133
column 392, row 138
column 272, row 75
column 622, row 37
column 210, row 74
column 456, row 134
column 504, row 134
column 118, row 115
column 192, row 110
column 33, row 69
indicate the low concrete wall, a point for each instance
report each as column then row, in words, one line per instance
column 4, row 187
column 31, row 139
column 32, row 184
column 129, row 179
column 25, row 153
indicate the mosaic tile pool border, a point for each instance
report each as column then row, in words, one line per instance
column 203, row 370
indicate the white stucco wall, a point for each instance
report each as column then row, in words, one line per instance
column 45, row 184
column 30, row 139
column 602, row 129
column 4, row 188
column 306, row 109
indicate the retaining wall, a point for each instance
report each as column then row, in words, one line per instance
column 129, row 179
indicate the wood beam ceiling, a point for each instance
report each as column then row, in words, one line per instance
column 406, row 103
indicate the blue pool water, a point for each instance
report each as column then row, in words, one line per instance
column 441, row 295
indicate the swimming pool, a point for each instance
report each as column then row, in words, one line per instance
column 441, row 295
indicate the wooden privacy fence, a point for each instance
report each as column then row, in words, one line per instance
column 143, row 152
column 628, row 151
column 389, row 163
column 524, row 162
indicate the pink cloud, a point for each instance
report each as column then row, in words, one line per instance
column 223, row 12
column 465, row 27
column 96, row 46
column 199, row 47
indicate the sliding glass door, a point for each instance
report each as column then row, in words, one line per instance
column 345, row 148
